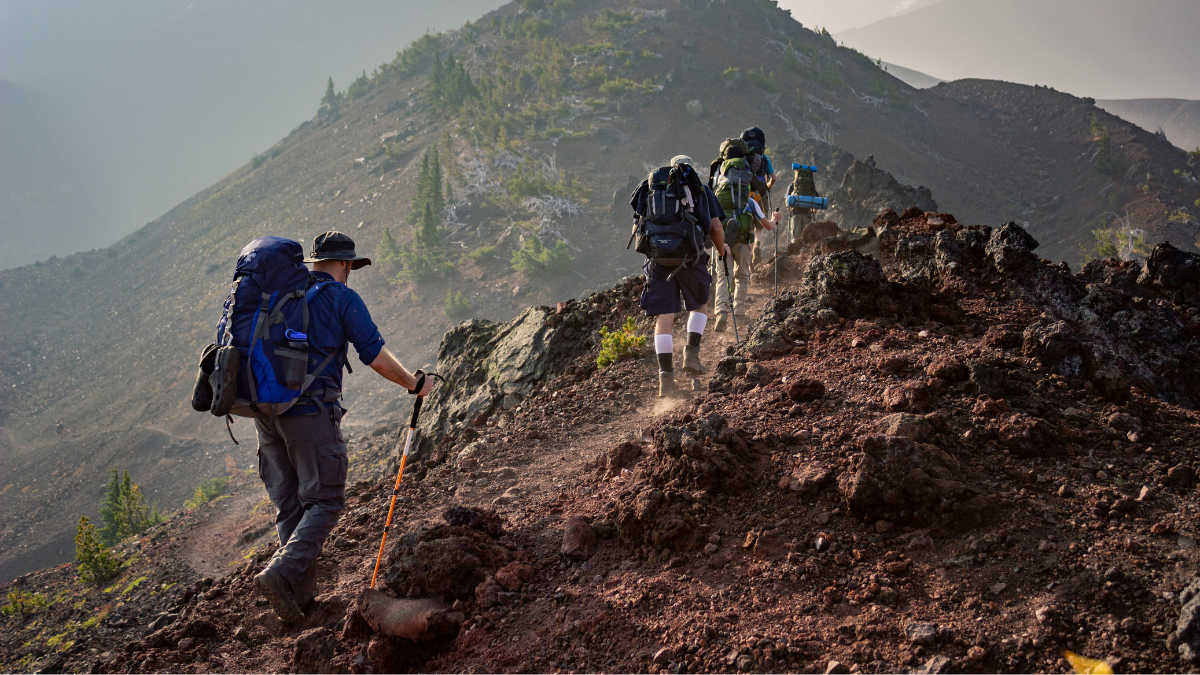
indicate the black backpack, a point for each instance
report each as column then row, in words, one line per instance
column 755, row 135
column 668, row 229
column 755, row 159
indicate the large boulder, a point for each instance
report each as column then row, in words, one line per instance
column 1011, row 248
column 1173, row 274
column 902, row 481
column 848, row 282
column 484, row 361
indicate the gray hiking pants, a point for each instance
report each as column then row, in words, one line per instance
column 302, row 463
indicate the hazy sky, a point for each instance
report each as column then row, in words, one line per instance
column 138, row 104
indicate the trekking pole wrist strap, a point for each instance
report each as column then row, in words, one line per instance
column 420, row 375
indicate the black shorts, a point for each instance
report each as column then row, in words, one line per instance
column 661, row 296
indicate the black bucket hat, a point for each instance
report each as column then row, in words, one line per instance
column 336, row 246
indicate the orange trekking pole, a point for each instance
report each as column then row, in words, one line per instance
column 412, row 430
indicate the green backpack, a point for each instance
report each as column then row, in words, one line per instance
column 735, row 182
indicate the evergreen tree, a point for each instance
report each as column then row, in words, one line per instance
column 387, row 253
column 429, row 188
column 124, row 512
column 330, row 96
column 96, row 562
column 423, row 259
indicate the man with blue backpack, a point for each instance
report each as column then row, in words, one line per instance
column 674, row 213
column 281, row 344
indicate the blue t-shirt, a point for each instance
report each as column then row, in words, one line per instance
column 770, row 169
column 338, row 316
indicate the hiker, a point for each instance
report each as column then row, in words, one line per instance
column 673, row 213
column 803, row 184
column 760, row 164
column 738, row 191
column 301, row 452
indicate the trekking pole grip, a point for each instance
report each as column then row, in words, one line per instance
column 412, row 424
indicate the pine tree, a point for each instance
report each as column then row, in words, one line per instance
column 96, row 562
column 110, row 511
column 124, row 512
column 387, row 253
column 330, row 97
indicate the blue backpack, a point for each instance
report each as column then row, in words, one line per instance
column 266, row 320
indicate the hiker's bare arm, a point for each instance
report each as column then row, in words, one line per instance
column 717, row 233
column 387, row 365
column 770, row 181
column 771, row 222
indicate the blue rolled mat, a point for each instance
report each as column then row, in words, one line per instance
column 810, row 167
column 806, row 202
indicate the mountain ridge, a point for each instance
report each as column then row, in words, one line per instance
column 121, row 327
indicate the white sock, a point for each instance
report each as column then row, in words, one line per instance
column 696, row 322
column 663, row 344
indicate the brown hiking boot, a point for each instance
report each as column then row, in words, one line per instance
column 722, row 320
column 691, row 360
column 272, row 586
column 666, row 384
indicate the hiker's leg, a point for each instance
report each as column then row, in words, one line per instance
column 695, row 288
column 318, row 452
column 279, row 477
column 741, row 277
column 664, row 345
column 721, row 286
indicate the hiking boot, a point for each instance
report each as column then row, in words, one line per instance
column 202, row 393
column 272, row 586
column 691, row 360
column 224, row 380
column 307, row 589
column 666, row 384
column 722, row 319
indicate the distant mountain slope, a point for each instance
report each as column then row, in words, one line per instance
column 566, row 108
column 1100, row 48
column 1179, row 119
column 913, row 78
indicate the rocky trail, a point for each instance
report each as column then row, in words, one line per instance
column 949, row 457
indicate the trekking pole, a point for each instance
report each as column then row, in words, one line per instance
column 412, row 430
column 776, row 245
column 732, row 310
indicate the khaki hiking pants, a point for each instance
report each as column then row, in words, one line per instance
column 739, row 267
column 800, row 219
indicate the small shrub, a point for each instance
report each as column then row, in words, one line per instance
column 619, row 344
column 257, row 161
column 761, row 80
column 617, row 87
column 21, row 603
column 96, row 563
column 482, row 254
column 206, row 491
column 537, row 261
column 610, row 22
column 731, row 73
column 456, row 305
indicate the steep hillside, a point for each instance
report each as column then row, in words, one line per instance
column 953, row 457
column 1177, row 118
column 565, row 107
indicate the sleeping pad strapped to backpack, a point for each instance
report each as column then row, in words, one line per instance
column 266, row 320
column 668, row 230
